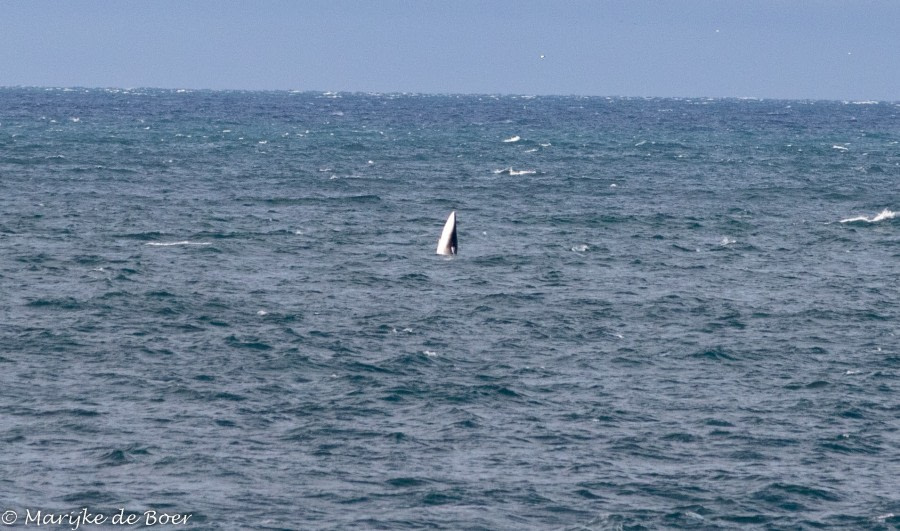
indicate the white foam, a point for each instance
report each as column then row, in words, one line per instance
column 580, row 248
column 429, row 353
column 726, row 241
column 840, row 148
column 883, row 215
column 169, row 244
column 262, row 312
column 513, row 139
column 510, row 171
column 532, row 150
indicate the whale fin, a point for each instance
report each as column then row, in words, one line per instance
column 447, row 244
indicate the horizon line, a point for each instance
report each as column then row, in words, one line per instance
column 452, row 94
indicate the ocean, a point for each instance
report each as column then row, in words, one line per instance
column 226, row 307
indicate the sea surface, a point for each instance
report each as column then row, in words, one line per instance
column 664, row 314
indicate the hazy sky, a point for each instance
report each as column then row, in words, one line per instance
column 848, row 49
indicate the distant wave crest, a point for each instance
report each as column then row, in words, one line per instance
column 883, row 215
column 169, row 244
column 510, row 171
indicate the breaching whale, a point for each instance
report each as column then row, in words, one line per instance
column 447, row 244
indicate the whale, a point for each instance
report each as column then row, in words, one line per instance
column 447, row 243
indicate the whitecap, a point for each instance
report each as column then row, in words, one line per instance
column 262, row 312
column 840, row 148
column 511, row 171
column 881, row 216
column 532, row 150
column 512, row 139
column 580, row 248
column 169, row 244
column 429, row 353
column 726, row 241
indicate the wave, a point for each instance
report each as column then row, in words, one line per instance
column 510, row 171
column 883, row 215
column 169, row 244
column 513, row 139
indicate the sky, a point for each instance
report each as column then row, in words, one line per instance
column 789, row 49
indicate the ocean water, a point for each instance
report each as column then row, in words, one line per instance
column 665, row 313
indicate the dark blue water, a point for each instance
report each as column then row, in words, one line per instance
column 663, row 313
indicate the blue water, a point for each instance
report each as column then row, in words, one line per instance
column 664, row 313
